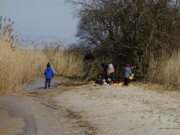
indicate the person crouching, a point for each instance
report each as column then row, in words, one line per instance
column 111, row 73
column 49, row 74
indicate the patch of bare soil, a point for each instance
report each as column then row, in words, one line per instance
column 114, row 110
column 157, row 87
column 73, row 83
column 73, row 119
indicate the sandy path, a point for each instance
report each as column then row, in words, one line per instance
column 89, row 110
column 38, row 119
column 127, row 111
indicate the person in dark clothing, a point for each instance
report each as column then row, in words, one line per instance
column 49, row 74
column 108, row 74
column 127, row 74
column 104, row 75
column 111, row 73
column 105, row 69
column 89, row 56
column 88, row 61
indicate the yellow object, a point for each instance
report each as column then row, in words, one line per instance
column 131, row 77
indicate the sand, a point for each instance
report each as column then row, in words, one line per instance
column 9, row 125
column 114, row 110
column 94, row 110
column 26, row 116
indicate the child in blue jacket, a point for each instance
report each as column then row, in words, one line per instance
column 49, row 74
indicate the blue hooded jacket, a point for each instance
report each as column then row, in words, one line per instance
column 49, row 72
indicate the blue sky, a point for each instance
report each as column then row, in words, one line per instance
column 41, row 18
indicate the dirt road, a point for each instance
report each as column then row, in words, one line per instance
column 100, row 110
column 114, row 110
column 26, row 116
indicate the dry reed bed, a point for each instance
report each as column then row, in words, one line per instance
column 167, row 71
column 18, row 66
column 66, row 63
column 21, row 65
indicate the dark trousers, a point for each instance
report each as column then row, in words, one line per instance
column 48, row 83
column 87, row 68
column 126, row 81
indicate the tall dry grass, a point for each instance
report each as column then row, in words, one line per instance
column 166, row 71
column 19, row 64
column 67, row 63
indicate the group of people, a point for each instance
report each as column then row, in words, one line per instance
column 108, row 75
column 108, row 70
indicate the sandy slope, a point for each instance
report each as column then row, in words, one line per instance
column 114, row 110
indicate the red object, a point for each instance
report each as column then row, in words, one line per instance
column 127, row 64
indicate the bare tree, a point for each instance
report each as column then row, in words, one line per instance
column 129, row 30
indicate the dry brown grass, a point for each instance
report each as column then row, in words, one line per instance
column 18, row 66
column 22, row 65
column 66, row 63
column 166, row 72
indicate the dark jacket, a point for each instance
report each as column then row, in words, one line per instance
column 112, row 76
column 106, row 76
column 49, row 72
column 127, row 72
column 88, row 57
